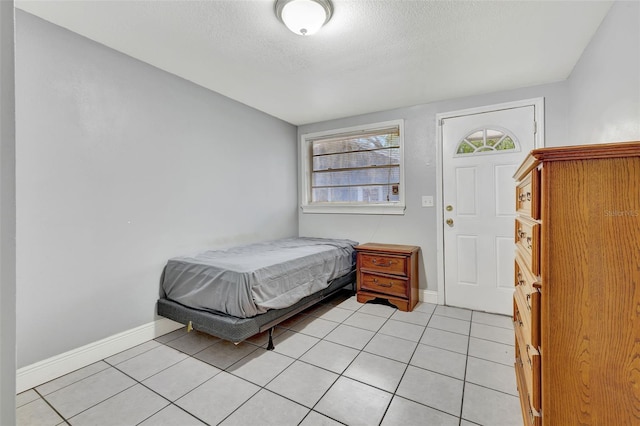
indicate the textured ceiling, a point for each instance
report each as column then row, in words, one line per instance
column 373, row 55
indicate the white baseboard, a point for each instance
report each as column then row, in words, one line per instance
column 43, row 371
column 429, row 296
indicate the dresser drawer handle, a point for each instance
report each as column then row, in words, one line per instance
column 384, row 265
column 529, row 243
column 524, row 197
column 519, row 320
column 375, row 281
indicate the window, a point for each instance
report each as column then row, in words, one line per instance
column 487, row 141
column 355, row 170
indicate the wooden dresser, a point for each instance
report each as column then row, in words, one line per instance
column 388, row 271
column 577, row 285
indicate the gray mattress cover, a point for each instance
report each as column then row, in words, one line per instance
column 249, row 280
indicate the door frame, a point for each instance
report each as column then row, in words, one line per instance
column 539, row 142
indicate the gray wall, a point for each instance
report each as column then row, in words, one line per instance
column 604, row 87
column 418, row 225
column 7, row 219
column 119, row 167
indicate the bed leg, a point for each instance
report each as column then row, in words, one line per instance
column 270, row 346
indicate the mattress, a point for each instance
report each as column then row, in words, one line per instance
column 252, row 279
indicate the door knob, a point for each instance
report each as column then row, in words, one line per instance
column 450, row 222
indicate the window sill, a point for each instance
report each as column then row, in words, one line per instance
column 395, row 209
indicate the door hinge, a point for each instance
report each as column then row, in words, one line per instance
column 535, row 127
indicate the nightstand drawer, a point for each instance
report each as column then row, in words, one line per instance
column 393, row 286
column 384, row 263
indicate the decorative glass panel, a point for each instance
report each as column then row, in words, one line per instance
column 487, row 141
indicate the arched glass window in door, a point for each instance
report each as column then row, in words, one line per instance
column 487, row 141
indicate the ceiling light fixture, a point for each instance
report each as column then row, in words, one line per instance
column 304, row 17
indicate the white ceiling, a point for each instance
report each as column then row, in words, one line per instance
column 372, row 55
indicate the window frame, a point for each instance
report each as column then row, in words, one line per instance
column 386, row 207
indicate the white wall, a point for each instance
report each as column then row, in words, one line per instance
column 119, row 167
column 7, row 219
column 418, row 225
column 600, row 102
column 604, row 87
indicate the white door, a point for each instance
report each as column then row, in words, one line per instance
column 481, row 152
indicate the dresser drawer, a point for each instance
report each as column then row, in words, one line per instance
column 530, row 360
column 385, row 263
column 527, row 239
column 394, row 286
column 528, row 195
column 528, row 314
column 530, row 417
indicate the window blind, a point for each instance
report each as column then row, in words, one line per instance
column 358, row 167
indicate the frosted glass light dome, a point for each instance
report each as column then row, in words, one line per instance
column 303, row 17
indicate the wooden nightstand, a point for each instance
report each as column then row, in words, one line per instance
column 388, row 271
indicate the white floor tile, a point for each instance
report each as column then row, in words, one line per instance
column 127, row 408
column 376, row 371
column 354, row 403
column 452, row 312
column 445, row 340
column 402, row 330
column 268, row 409
column 316, row 419
column 260, row 366
column 403, row 412
column 181, row 378
column 83, row 394
column 435, row 390
column 172, row 416
column 331, row 356
column 391, row 347
column 314, row 326
column 294, row 344
column 413, row 317
column 37, row 412
column 492, row 351
column 218, row 397
column 495, row 334
column 224, row 354
column 73, row 377
column 453, row 325
column 495, row 320
column 440, row 361
column 151, row 362
column 193, row 342
column 353, row 337
column 303, row 383
column 492, row 375
column 366, row 321
column 488, row 407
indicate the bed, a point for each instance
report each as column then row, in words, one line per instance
column 236, row 293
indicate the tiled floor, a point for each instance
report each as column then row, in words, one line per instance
column 338, row 363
